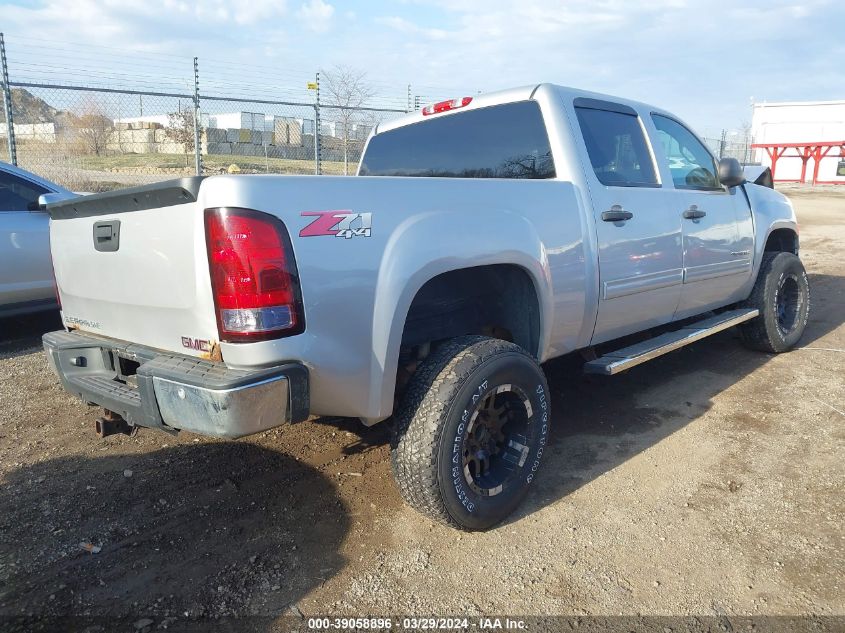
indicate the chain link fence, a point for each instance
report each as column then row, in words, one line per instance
column 96, row 140
column 733, row 144
column 92, row 138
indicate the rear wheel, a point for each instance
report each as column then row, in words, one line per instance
column 782, row 295
column 471, row 431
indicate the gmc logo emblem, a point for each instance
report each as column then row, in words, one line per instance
column 196, row 343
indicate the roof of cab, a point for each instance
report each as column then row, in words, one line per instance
column 521, row 93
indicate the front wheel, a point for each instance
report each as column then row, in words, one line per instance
column 471, row 431
column 782, row 295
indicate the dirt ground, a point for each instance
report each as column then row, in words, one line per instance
column 707, row 482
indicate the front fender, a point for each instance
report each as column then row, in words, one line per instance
column 433, row 243
column 770, row 210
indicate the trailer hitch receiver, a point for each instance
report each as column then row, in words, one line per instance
column 113, row 424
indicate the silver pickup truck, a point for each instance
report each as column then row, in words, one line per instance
column 481, row 237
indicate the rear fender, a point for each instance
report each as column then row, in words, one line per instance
column 453, row 243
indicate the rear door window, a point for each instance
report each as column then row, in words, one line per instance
column 506, row 141
column 617, row 147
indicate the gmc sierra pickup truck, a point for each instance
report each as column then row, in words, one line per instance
column 481, row 237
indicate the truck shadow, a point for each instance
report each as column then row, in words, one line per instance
column 599, row 422
column 20, row 334
column 193, row 532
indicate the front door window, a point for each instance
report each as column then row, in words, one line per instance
column 691, row 165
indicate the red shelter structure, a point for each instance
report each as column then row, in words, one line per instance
column 804, row 151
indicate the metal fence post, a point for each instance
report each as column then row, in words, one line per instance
column 7, row 103
column 317, row 166
column 197, row 145
column 408, row 109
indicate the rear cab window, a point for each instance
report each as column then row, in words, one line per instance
column 616, row 144
column 504, row 141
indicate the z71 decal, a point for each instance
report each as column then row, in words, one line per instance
column 345, row 223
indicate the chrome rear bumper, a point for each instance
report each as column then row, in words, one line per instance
column 154, row 389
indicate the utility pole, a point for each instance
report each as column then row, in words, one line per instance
column 197, row 148
column 317, row 125
column 7, row 103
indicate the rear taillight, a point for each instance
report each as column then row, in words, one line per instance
column 445, row 106
column 253, row 275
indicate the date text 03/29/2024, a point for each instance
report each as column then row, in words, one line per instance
column 416, row 624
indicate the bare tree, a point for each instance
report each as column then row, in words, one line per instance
column 92, row 127
column 180, row 129
column 348, row 90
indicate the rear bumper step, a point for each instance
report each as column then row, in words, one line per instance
column 178, row 392
column 631, row 356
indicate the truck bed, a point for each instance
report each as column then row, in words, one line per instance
column 154, row 289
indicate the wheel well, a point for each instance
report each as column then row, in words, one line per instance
column 785, row 240
column 498, row 300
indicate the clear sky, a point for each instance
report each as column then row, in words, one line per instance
column 705, row 61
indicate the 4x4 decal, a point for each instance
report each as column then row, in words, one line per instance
column 345, row 223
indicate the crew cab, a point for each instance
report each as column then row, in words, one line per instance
column 481, row 237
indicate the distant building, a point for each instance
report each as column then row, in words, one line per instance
column 241, row 121
column 160, row 119
column 801, row 122
column 238, row 132
column 291, row 127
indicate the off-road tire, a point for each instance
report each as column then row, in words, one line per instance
column 431, row 429
column 778, row 272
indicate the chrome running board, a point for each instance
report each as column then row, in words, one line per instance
column 634, row 355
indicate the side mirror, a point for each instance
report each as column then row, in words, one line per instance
column 49, row 198
column 730, row 172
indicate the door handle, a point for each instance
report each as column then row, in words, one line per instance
column 107, row 236
column 693, row 213
column 616, row 214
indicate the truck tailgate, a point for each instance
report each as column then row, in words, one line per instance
column 132, row 265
